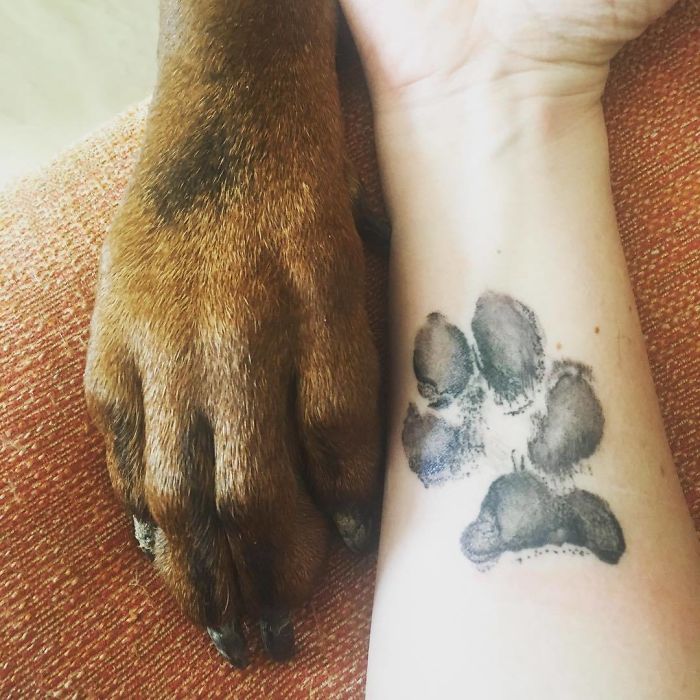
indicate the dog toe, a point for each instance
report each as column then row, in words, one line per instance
column 338, row 415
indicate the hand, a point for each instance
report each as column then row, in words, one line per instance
column 552, row 48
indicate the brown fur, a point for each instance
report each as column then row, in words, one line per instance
column 230, row 365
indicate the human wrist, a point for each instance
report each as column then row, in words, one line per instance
column 498, row 73
column 489, row 144
column 486, row 114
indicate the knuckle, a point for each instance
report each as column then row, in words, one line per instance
column 95, row 389
column 168, row 502
column 251, row 511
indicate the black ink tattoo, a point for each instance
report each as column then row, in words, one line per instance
column 520, row 512
column 433, row 446
column 509, row 342
column 573, row 425
column 442, row 361
column 551, row 404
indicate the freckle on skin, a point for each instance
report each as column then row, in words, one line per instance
column 596, row 330
column 558, row 346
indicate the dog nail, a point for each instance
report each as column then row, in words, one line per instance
column 230, row 644
column 355, row 529
column 145, row 534
column 277, row 633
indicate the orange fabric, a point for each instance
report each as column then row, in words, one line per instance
column 82, row 613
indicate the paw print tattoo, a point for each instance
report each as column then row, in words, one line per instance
column 498, row 383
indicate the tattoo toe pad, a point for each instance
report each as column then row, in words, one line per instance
column 442, row 361
column 509, row 341
column 432, row 445
column 572, row 428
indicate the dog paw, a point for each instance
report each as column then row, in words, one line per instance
column 235, row 380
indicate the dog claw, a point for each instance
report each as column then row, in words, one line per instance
column 277, row 633
column 145, row 534
column 355, row 529
column 230, row 643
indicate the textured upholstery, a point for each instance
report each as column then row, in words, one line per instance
column 82, row 613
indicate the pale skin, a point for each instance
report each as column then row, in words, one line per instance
column 494, row 158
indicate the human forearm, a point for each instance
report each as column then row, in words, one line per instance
column 492, row 193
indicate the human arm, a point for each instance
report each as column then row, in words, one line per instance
column 496, row 186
